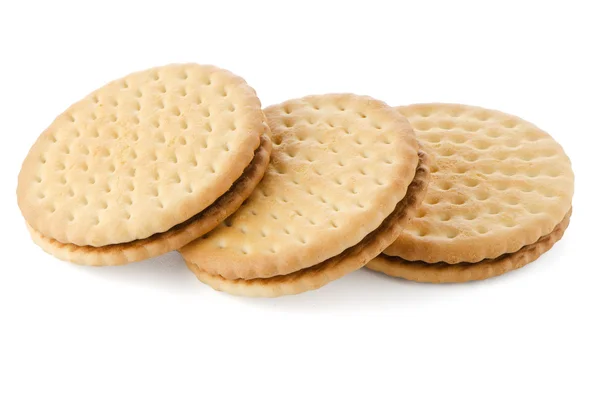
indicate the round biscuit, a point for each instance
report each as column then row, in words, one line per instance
column 339, row 166
column 498, row 183
column 140, row 155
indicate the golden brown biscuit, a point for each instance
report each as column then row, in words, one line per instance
column 499, row 197
column 340, row 166
column 498, row 183
column 138, row 157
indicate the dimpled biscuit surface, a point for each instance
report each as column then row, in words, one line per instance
column 140, row 155
column 340, row 165
column 498, row 183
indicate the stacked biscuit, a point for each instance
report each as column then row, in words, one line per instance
column 500, row 196
column 276, row 201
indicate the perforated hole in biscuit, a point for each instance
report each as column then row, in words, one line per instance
column 115, row 141
column 491, row 173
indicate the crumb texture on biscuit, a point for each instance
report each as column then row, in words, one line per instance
column 498, row 183
column 339, row 166
column 140, row 155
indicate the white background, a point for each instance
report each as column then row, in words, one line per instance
column 151, row 329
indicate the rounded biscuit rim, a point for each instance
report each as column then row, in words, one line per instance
column 445, row 273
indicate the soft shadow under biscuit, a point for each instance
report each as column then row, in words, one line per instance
column 174, row 238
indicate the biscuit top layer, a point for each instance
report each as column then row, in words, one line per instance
column 498, row 183
column 140, row 155
column 339, row 166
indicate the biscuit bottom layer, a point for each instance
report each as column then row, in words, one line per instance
column 442, row 272
column 174, row 238
column 351, row 259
